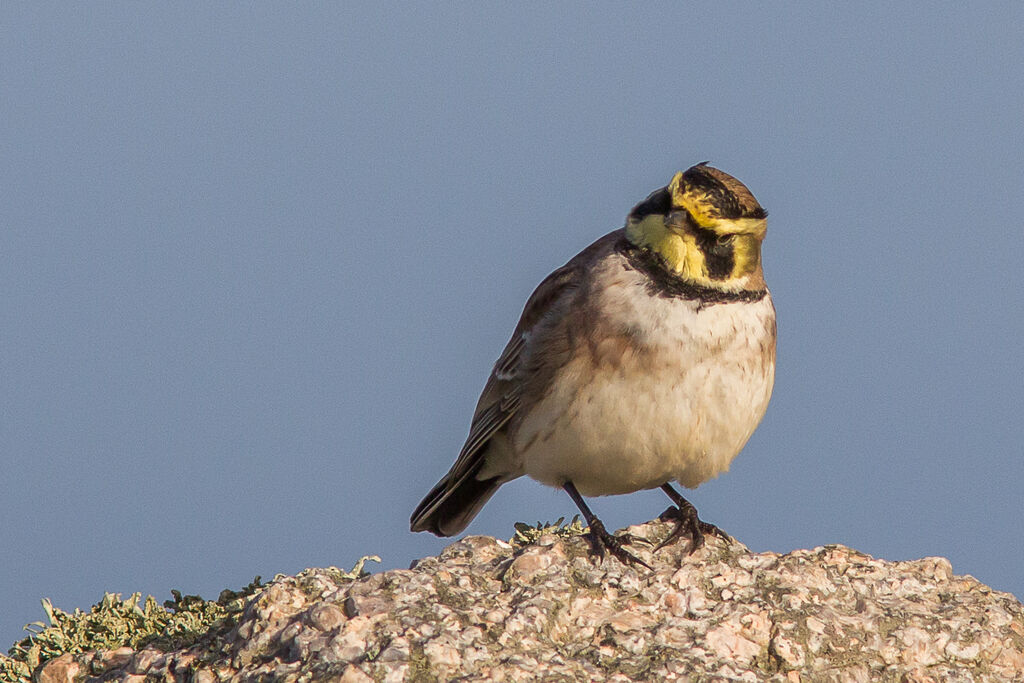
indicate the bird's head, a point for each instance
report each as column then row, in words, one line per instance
column 705, row 226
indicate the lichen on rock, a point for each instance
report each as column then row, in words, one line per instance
column 546, row 609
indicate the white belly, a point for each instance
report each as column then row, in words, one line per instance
column 680, row 410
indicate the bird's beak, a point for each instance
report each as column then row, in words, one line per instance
column 676, row 221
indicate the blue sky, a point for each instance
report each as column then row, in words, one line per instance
column 257, row 262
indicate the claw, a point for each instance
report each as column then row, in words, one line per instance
column 688, row 524
column 601, row 540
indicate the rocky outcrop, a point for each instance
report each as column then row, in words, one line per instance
column 485, row 610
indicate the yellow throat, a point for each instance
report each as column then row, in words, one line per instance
column 705, row 227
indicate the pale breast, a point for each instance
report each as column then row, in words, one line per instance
column 661, row 389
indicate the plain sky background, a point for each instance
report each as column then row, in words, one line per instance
column 257, row 261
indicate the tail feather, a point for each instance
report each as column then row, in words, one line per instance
column 451, row 505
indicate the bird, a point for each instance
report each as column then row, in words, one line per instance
column 647, row 359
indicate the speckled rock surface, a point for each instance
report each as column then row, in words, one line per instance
column 485, row 611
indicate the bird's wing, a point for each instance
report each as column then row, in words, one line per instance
column 501, row 396
column 526, row 363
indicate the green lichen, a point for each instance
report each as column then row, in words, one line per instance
column 357, row 572
column 768, row 659
column 652, row 659
column 113, row 623
column 528, row 535
column 453, row 599
column 419, row 666
column 309, row 582
column 636, row 668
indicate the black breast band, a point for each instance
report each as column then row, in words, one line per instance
column 662, row 282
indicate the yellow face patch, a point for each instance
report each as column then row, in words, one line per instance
column 705, row 226
column 705, row 213
column 694, row 255
column 747, row 255
column 686, row 197
column 678, row 250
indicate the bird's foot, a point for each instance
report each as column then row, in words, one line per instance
column 601, row 540
column 687, row 523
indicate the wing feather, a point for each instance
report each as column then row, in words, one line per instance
column 458, row 496
column 501, row 396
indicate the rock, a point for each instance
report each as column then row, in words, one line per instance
column 484, row 610
column 63, row 669
column 326, row 617
column 112, row 659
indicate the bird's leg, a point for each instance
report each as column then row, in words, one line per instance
column 687, row 522
column 600, row 539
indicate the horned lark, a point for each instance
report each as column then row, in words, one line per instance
column 648, row 358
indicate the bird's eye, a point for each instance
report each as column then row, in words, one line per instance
column 724, row 240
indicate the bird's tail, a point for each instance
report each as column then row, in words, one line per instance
column 452, row 504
